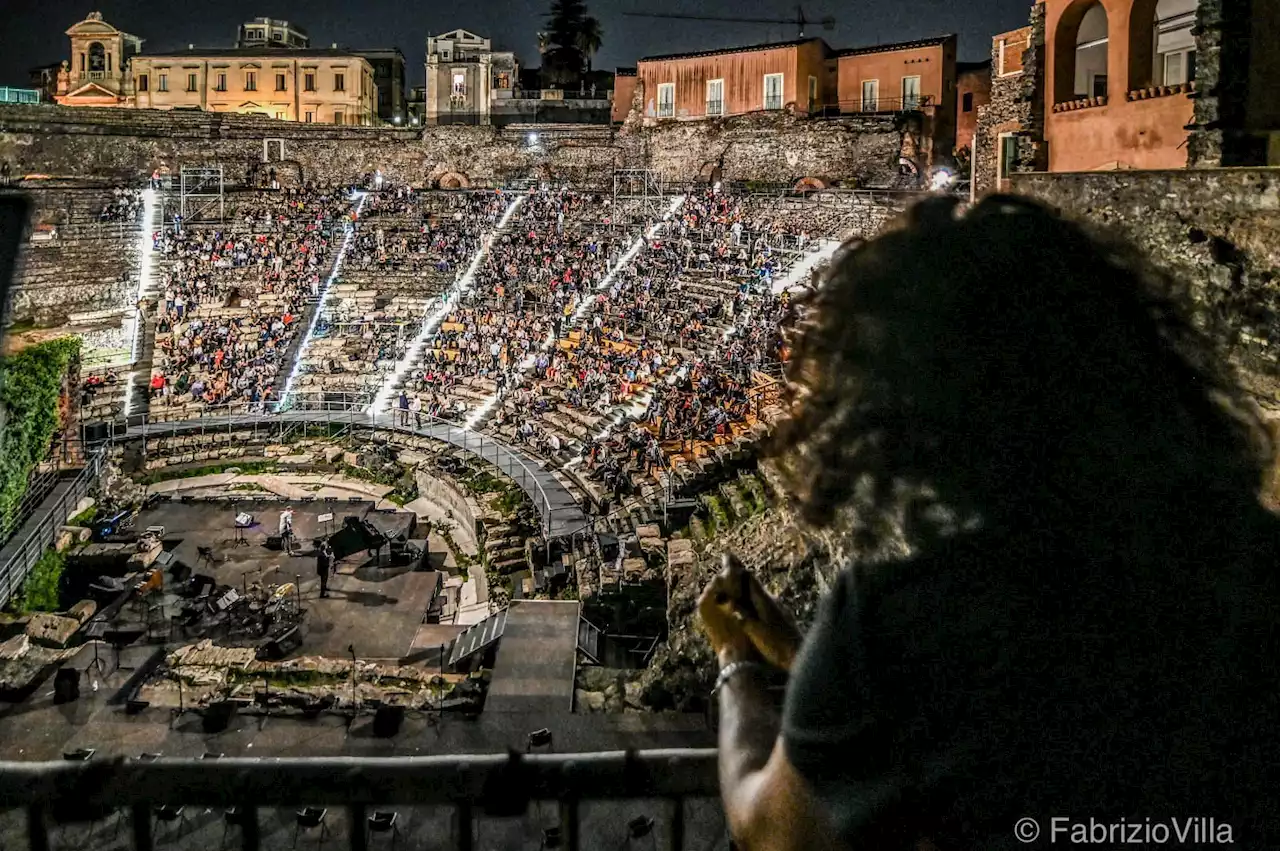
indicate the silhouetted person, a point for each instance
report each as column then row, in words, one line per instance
column 324, row 566
column 1085, row 627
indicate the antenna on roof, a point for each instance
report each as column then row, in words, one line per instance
column 799, row 21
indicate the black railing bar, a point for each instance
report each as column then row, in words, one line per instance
column 348, row 780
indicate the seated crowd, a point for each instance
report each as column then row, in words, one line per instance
column 233, row 298
column 125, row 205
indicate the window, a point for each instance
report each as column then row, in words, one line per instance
column 338, row 118
column 666, row 100
column 1000, row 58
column 339, row 82
column 1008, row 156
column 870, row 95
column 715, row 97
column 502, row 80
column 773, row 91
column 311, row 116
column 1089, row 77
column 910, row 92
column 459, row 89
column 191, row 82
column 250, row 81
column 162, row 85
column 966, row 102
column 280, row 83
column 220, row 84
column 142, row 82
column 309, row 82
column 277, row 35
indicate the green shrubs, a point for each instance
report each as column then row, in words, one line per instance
column 30, row 386
column 41, row 589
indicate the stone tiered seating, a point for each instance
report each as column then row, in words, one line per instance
column 90, row 265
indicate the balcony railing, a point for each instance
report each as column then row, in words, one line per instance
column 879, row 105
column 773, row 103
column 715, row 107
column 139, row 794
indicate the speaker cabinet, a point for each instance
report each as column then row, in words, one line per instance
column 217, row 716
column 387, row 721
column 66, row 685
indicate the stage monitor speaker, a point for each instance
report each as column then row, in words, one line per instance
column 277, row 647
column 217, row 716
column 387, row 721
column 66, row 685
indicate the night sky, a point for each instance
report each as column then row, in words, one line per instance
column 32, row 32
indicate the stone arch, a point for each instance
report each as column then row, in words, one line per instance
column 453, row 180
column 810, row 184
column 1087, row 20
column 1159, row 29
column 711, row 173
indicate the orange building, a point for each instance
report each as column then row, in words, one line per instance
column 905, row 77
column 624, row 90
column 973, row 91
column 794, row 75
column 1119, row 78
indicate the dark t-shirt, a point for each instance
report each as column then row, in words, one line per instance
column 950, row 696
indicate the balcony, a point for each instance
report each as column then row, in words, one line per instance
column 880, row 106
column 570, row 801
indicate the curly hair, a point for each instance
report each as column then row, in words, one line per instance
column 1015, row 366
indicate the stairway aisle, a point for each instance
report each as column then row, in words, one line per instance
column 143, row 318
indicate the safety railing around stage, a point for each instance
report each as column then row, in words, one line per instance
column 135, row 791
column 20, row 555
column 556, row 505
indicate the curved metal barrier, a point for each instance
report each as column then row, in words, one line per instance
column 560, row 511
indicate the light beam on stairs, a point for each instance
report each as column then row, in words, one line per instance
column 324, row 297
column 145, row 272
column 382, row 401
column 478, row 416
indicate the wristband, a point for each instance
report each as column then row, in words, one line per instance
column 731, row 670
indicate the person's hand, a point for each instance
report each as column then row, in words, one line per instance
column 723, row 624
column 736, row 595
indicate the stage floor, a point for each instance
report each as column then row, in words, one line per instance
column 378, row 611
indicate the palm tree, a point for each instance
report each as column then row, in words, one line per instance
column 589, row 38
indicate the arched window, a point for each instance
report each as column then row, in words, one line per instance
column 97, row 57
column 1080, row 52
column 1162, row 51
column 1091, row 54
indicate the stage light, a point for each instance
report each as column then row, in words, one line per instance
column 396, row 119
column 533, row 138
column 942, row 180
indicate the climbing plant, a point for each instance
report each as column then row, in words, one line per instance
column 30, row 387
column 41, row 590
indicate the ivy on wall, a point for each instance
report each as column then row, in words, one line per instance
column 30, row 387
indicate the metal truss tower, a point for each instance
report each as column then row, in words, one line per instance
column 201, row 196
column 640, row 192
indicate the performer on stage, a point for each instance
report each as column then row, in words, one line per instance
column 286, row 530
column 324, row 566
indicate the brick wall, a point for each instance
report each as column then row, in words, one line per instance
column 1216, row 229
column 124, row 144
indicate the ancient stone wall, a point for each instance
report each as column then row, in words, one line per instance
column 1016, row 107
column 1216, row 229
column 108, row 143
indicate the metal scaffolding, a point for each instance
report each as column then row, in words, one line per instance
column 639, row 191
column 201, row 194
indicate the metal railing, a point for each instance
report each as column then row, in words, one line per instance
column 877, row 105
column 474, row 786
column 557, row 510
column 20, row 558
